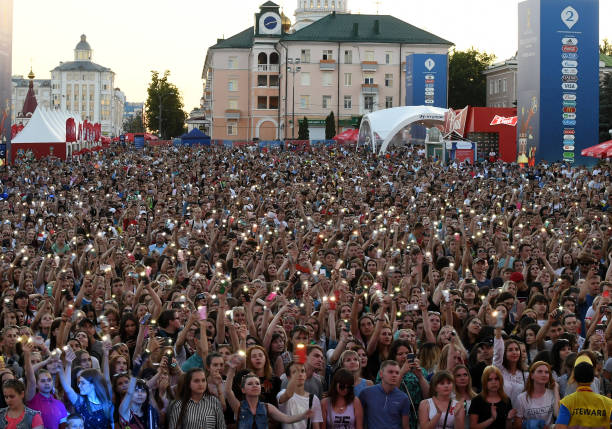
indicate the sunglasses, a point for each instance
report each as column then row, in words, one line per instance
column 342, row 386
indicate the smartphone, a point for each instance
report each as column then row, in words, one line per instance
column 412, row 307
column 410, row 357
column 203, row 312
column 176, row 305
column 145, row 319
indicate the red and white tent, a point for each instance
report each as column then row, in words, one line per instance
column 52, row 133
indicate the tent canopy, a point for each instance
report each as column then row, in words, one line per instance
column 380, row 127
column 601, row 150
column 195, row 136
column 347, row 136
column 45, row 126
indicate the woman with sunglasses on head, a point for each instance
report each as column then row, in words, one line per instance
column 136, row 410
column 251, row 412
column 342, row 409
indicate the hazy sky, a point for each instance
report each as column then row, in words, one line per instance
column 133, row 37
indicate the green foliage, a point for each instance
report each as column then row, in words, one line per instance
column 330, row 126
column 605, row 108
column 606, row 47
column 134, row 125
column 303, row 133
column 466, row 83
column 172, row 114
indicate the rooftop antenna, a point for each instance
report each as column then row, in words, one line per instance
column 378, row 2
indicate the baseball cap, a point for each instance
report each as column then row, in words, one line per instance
column 477, row 260
column 487, row 342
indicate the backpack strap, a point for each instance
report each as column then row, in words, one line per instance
column 310, row 399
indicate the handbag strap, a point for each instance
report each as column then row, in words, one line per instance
column 447, row 410
column 310, row 398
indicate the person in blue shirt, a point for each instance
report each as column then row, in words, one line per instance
column 384, row 405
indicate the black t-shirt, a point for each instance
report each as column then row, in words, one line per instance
column 482, row 409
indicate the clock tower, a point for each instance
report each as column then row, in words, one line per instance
column 268, row 21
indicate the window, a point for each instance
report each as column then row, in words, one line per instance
column 497, row 86
column 348, row 79
column 305, row 56
column 327, row 78
column 388, row 102
column 262, row 102
column 232, row 63
column 304, row 101
column 328, row 54
column 505, row 86
column 388, row 56
column 326, row 101
column 368, row 102
column 262, row 80
column 368, row 80
column 305, row 79
column 232, row 85
column 490, row 87
column 232, row 104
column 273, row 103
column 369, row 55
column 232, row 129
column 388, row 80
column 348, row 57
column 273, row 80
column 348, row 102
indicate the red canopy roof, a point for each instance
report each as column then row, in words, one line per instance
column 347, row 136
column 601, row 150
column 30, row 103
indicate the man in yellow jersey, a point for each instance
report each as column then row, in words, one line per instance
column 584, row 408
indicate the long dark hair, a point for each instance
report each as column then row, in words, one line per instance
column 124, row 319
column 342, row 376
column 184, row 392
column 555, row 356
column 95, row 377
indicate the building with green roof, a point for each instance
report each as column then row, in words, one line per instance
column 259, row 82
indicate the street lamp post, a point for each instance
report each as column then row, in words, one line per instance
column 161, row 97
column 293, row 71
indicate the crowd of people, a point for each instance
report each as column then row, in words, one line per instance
column 329, row 288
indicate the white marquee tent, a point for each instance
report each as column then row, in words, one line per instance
column 380, row 127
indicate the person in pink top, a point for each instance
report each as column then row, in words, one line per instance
column 16, row 414
column 52, row 411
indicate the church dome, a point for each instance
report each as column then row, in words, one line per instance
column 83, row 45
column 286, row 22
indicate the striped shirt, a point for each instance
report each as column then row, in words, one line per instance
column 207, row 413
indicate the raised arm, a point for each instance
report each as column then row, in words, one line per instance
column 65, row 376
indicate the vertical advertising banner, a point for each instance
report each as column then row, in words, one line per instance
column 562, row 54
column 6, row 43
column 426, row 80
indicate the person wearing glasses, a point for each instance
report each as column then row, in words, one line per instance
column 342, row 409
column 136, row 410
column 251, row 412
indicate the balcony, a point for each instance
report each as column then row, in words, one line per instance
column 369, row 88
column 369, row 66
column 232, row 114
column 327, row 65
column 272, row 68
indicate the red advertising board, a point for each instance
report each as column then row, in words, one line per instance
column 481, row 120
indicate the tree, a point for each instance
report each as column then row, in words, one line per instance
column 605, row 48
column 164, row 98
column 466, row 83
column 605, row 108
column 134, row 124
column 330, row 126
column 303, row 133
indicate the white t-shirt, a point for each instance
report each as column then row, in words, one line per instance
column 535, row 408
column 298, row 404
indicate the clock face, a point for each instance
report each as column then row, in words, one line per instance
column 270, row 22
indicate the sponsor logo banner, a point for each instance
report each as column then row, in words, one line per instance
column 501, row 120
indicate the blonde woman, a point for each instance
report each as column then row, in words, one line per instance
column 539, row 403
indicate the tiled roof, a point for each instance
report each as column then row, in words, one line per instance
column 81, row 66
column 244, row 39
column 364, row 28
